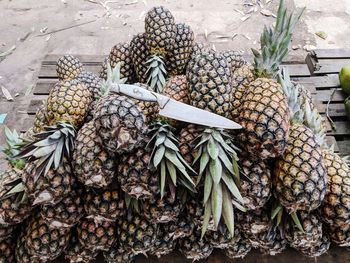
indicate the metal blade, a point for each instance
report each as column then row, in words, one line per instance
column 184, row 112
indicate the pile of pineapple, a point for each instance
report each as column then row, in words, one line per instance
column 102, row 173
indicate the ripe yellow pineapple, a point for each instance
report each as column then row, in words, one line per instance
column 68, row 67
column 177, row 89
column 263, row 112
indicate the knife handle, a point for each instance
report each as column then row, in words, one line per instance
column 135, row 92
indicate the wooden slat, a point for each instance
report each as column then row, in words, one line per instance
column 332, row 141
column 342, row 129
column 49, row 71
column 324, row 95
column 329, row 67
column 34, row 106
column 344, row 147
column 43, row 86
column 327, row 81
column 331, row 53
column 298, row 70
column 335, row 110
column 51, row 59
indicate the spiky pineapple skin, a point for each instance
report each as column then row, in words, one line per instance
column 68, row 67
column 93, row 166
column 136, row 234
column 187, row 137
column 135, row 177
column 66, row 213
column 164, row 243
column 22, row 255
column 105, row 204
column 336, row 206
column 340, row 235
column 42, row 241
column 76, row 253
column 51, row 188
column 68, row 101
column 241, row 78
column 238, row 250
column 264, row 116
column 120, row 123
column 258, row 189
column 160, row 30
column 92, row 82
column 12, row 212
column 121, row 53
column 41, row 119
column 180, row 54
column 6, row 231
column 96, row 234
column 139, row 55
column 210, row 84
column 7, row 249
column 117, row 254
column 300, row 181
column 177, row 89
column 234, row 58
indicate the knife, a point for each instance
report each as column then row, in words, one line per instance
column 174, row 109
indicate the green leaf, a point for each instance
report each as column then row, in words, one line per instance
column 238, row 206
column 276, row 211
column 227, row 163
column 208, row 183
column 227, row 210
column 297, row 221
column 168, row 143
column 212, row 149
column 203, row 162
column 172, row 171
column 158, row 155
column 215, row 169
column 206, row 218
column 216, row 203
column 162, row 178
column 232, row 187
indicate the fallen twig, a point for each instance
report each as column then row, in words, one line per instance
column 7, row 52
column 6, row 93
column 66, row 28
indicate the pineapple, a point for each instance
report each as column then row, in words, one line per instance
column 93, row 166
column 68, row 67
column 41, row 119
column 106, row 204
column 103, row 70
column 263, row 112
column 150, row 109
column 96, row 235
column 197, row 49
column 310, row 237
column 76, row 253
column 336, row 206
column 160, row 35
column 117, row 254
column 22, row 254
column 135, row 177
column 180, row 54
column 239, row 249
column 234, row 58
column 194, row 247
column 120, row 123
column 7, row 249
column 43, row 242
column 6, row 231
column 66, row 213
column 121, row 53
column 69, row 101
column 256, row 190
column 177, row 89
column 340, row 235
column 47, row 174
column 136, row 234
column 319, row 249
column 209, row 81
column 14, row 204
column 164, row 243
column 139, row 54
column 241, row 78
column 271, row 242
column 221, row 238
column 187, row 137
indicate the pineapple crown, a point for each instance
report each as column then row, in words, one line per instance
column 113, row 77
column 274, row 43
column 156, row 73
column 11, row 184
column 217, row 159
column 167, row 158
column 14, row 143
column 50, row 147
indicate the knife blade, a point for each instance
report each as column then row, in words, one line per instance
column 173, row 109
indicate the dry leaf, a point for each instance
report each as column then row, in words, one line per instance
column 7, row 52
column 132, row 2
column 6, row 94
column 206, row 34
column 48, row 38
column 296, row 47
column 234, row 35
column 266, row 12
column 321, row 34
column 309, row 47
column 245, row 18
column 239, row 11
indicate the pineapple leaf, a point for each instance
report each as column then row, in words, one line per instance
column 159, row 155
column 206, row 217
column 297, row 221
column 227, row 210
column 216, row 203
column 212, row 149
column 208, row 184
column 232, row 187
column 215, row 170
column 238, row 206
column 276, row 211
column 162, row 178
column 172, row 171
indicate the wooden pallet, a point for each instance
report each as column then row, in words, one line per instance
column 320, row 85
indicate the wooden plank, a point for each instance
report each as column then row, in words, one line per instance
column 332, row 53
column 335, row 109
column 34, row 106
column 43, row 86
column 329, row 67
column 324, row 95
column 27, row 122
column 51, row 59
column 344, row 147
column 297, row 70
column 327, row 81
column 342, row 129
column 49, row 71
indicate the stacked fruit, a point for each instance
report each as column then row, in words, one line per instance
column 100, row 172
